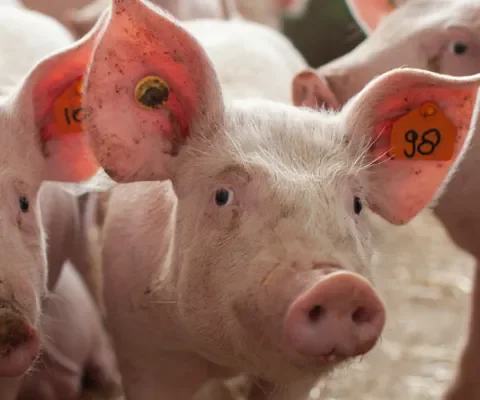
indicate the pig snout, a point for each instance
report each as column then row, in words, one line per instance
column 19, row 343
column 340, row 316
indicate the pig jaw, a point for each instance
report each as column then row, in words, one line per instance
column 239, row 268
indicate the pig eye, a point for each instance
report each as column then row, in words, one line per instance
column 152, row 92
column 459, row 48
column 223, row 197
column 23, row 203
column 357, row 205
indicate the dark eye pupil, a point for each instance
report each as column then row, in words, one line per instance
column 155, row 96
column 23, row 201
column 357, row 205
column 221, row 197
column 459, row 48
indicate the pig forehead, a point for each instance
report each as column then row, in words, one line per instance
column 288, row 143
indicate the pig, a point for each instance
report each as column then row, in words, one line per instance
column 268, row 12
column 251, row 60
column 439, row 36
column 271, row 12
column 235, row 242
column 81, row 20
column 35, row 148
column 76, row 349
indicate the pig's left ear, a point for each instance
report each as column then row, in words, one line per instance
column 50, row 100
column 368, row 13
column 417, row 125
column 311, row 89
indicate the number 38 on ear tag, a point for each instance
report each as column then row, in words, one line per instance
column 425, row 133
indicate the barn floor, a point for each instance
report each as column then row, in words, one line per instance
column 425, row 282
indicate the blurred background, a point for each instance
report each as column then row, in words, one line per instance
column 326, row 25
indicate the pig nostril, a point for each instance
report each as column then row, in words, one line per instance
column 316, row 313
column 361, row 315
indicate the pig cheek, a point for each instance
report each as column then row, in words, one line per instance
column 23, row 272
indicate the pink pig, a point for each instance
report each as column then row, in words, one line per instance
column 440, row 36
column 268, row 12
column 33, row 150
column 240, row 243
column 76, row 348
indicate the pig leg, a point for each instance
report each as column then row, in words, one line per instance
column 101, row 374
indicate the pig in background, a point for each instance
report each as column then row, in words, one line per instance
column 76, row 353
column 80, row 15
column 440, row 36
column 39, row 219
column 164, row 307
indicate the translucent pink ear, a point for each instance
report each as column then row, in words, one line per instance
column 311, row 89
column 50, row 99
column 151, row 87
column 368, row 13
column 418, row 125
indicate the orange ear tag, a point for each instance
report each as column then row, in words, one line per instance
column 425, row 133
column 67, row 110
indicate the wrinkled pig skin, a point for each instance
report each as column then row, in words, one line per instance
column 440, row 36
column 33, row 71
column 265, row 12
column 76, row 349
column 239, row 244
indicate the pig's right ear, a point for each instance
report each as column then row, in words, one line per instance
column 368, row 13
column 311, row 89
column 48, row 104
column 413, row 127
column 150, row 89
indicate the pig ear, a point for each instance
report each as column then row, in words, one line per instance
column 418, row 125
column 51, row 94
column 368, row 13
column 150, row 88
column 310, row 89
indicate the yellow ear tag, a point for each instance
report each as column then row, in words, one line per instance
column 152, row 92
column 425, row 133
column 67, row 109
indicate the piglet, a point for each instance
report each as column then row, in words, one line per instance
column 76, row 351
column 267, row 12
column 251, row 60
column 240, row 243
column 38, row 144
column 443, row 39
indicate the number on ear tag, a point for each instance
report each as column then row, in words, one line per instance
column 68, row 111
column 425, row 133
